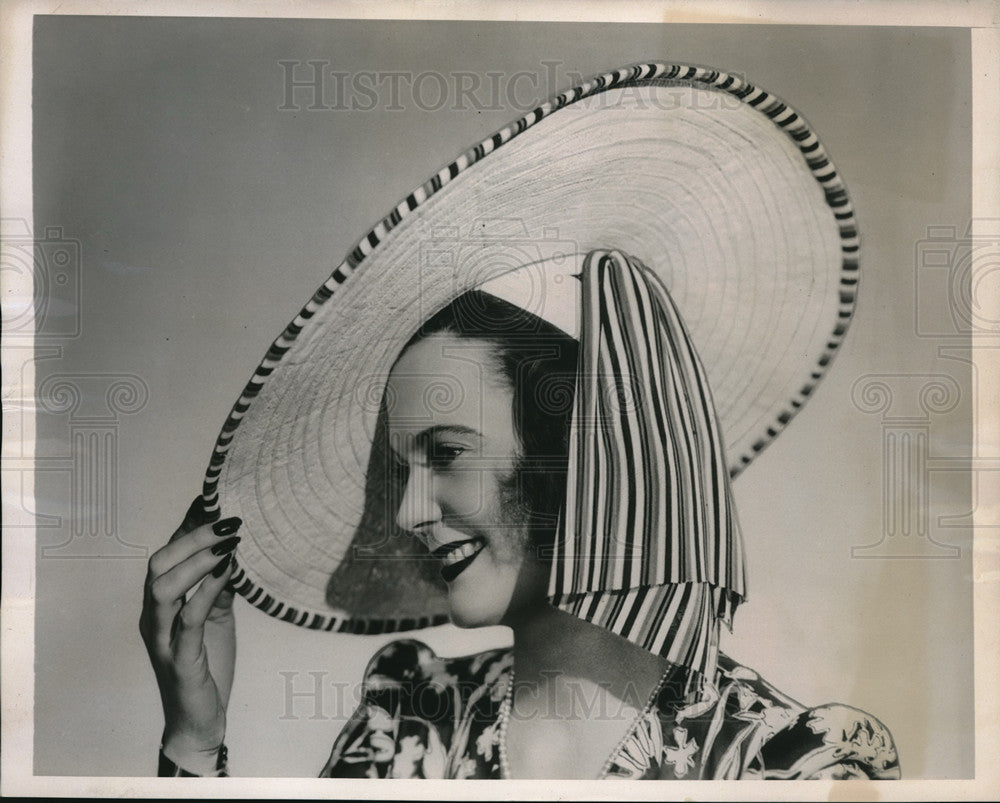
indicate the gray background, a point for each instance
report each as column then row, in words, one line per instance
column 206, row 216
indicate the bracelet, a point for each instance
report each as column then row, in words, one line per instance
column 167, row 768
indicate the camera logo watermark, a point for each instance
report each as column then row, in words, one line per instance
column 956, row 272
column 314, row 85
column 41, row 277
column 490, row 249
column 81, row 412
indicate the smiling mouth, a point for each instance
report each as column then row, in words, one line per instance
column 457, row 556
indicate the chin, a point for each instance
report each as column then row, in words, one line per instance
column 468, row 620
column 474, row 612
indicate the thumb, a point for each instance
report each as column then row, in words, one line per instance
column 222, row 605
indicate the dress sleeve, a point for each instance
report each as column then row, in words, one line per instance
column 393, row 732
column 214, row 767
column 832, row 742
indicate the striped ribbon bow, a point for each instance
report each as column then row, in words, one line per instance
column 649, row 543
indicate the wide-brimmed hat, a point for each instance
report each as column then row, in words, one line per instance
column 719, row 187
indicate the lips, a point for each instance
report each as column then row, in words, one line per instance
column 457, row 556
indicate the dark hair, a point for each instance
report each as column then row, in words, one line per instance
column 538, row 361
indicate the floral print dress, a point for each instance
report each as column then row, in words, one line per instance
column 428, row 717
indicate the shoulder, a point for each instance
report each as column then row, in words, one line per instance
column 744, row 689
column 835, row 741
column 418, row 712
column 412, row 662
column 793, row 741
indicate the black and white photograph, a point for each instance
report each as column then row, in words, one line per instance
column 504, row 393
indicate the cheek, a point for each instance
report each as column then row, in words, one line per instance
column 510, row 549
column 510, row 543
column 468, row 495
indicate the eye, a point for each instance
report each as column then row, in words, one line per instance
column 442, row 455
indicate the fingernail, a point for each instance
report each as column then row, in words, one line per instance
column 220, row 567
column 195, row 512
column 226, row 546
column 227, row 526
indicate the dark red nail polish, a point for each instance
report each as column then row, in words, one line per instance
column 227, row 526
column 195, row 513
column 226, row 546
column 220, row 567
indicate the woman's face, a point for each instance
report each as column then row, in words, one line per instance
column 450, row 418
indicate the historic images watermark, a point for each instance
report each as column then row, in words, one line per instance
column 319, row 695
column 43, row 282
column 316, row 85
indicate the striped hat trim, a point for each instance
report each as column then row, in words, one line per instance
column 776, row 110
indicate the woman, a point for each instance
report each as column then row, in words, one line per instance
column 548, row 437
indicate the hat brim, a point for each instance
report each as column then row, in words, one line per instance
column 717, row 185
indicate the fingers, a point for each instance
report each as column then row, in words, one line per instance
column 182, row 567
column 183, row 546
column 166, row 591
column 191, row 619
column 196, row 563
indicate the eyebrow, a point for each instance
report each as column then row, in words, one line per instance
column 425, row 436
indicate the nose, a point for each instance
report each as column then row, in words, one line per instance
column 418, row 509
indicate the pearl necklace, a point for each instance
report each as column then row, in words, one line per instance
column 508, row 704
column 504, row 718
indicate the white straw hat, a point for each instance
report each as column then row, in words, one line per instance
column 719, row 187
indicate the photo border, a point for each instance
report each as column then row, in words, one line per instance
column 17, row 654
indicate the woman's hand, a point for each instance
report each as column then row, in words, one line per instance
column 188, row 627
